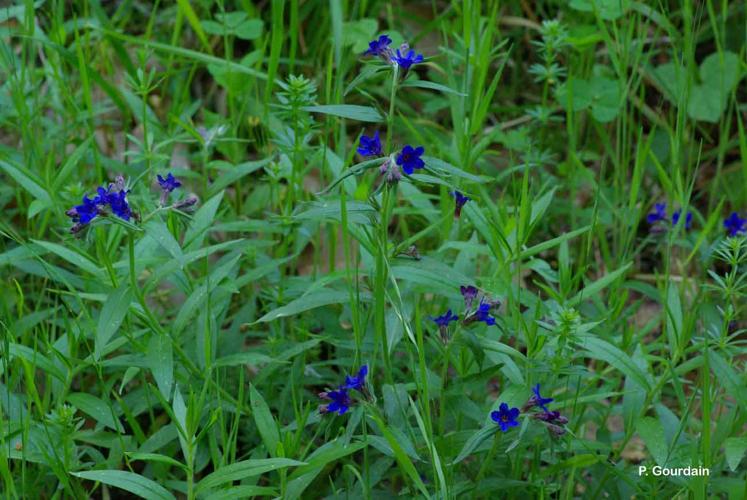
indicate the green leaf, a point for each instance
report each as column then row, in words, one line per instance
column 158, row 231
column 266, row 425
column 425, row 84
column 734, row 448
column 672, row 79
column 652, row 433
column 730, row 379
column 601, row 349
column 719, row 74
column 71, row 163
column 235, row 24
column 34, row 358
column 186, row 8
column 597, row 286
column 201, row 222
column 24, row 177
column 232, row 173
column 243, row 358
column 399, row 454
column 608, row 9
column 200, row 293
column 128, row 481
column 358, row 211
column 705, row 104
column 606, row 98
column 475, row 441
column 244, row 469
column 359, row 33
column 240, row 492
column 351, row 111
column 303, row 476
column 112, row 314
column 96, row 408
column 81, row 262
column 155, row 457
column 161, row 362
column 312, row 300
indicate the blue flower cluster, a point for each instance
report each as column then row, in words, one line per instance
column 112, row 199
column 404, row 57
column 507, row 417
column 340, row 399
column 659, row 215
column 735, row 225
column 408, row 159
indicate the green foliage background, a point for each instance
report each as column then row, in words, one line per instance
column 180, row 354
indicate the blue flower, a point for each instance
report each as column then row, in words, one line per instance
column 460, row 202
column 444, row 320
column 409, row 159
column 169, row 183
column 118, row 203
column 538, row 400
column 505, row 417
column 378, row 47
column 370, row 146
column 407, row 60
column 359, row 381
column 85, row 212
column 340, row 401
column 483, row 314
column 735, row 224
column 659, row 213
column 688, row 219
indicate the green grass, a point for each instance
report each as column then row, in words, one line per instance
column 181, row 354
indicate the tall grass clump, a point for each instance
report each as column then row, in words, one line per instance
column 326, row 249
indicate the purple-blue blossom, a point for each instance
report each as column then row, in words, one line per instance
column 370, row 146
column 409, row 159
column 735, row 225
column 505, row 417
column 406, row 60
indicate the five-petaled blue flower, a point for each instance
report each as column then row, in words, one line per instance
column 370, row 146
column 408, row 59
column 169, row 183
column 460, row 202
column 340, row 401
column 539, row 400
column 659, row 213
column 483, row 314
column 445, row 319
column 359, row 381
column 85, row 212
column 409, row 159
column 735, row 225
column 378, row 47
column 688, row 218
column 505, row 417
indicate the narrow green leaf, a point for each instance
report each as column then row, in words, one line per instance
column 266, row 425
column 652, row 433
column 112, row 314
column 96, row 408
column 603, row 350
column 351, row 111
column 244, row 469
column 128, row 481
column 597, row 286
